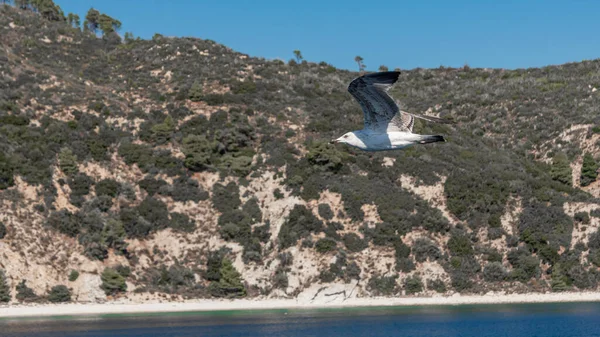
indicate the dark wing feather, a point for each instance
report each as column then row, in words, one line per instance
column 371, row 93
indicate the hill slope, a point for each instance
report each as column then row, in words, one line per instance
column 176, row 167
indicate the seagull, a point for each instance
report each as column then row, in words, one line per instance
column 386, row 127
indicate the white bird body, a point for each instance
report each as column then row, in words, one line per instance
column 368, row 140
column 386, row 127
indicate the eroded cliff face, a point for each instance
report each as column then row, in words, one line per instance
column 165, row 160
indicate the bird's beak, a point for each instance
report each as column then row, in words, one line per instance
column 333, row 141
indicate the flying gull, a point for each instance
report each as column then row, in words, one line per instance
column 386, row 126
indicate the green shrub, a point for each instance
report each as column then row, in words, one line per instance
column 67, row 162
column 558, row 283
column 325, row 211
column 4, row 287
column 2, row 230
column 280, row 279
column 354, row 243
column 494, row 272
column 383, row 285
column 561, row 170
column 437, row 285
column 245, row 87
column 172, row 280
column 230, row 283
column 195, row 93
column 65, row 222
column 74, row 275
column 589, row 170
column 25, row 294
column 582, row 217
column 325, row 245
column 150, row 185
column 299, row 224
column 326, row 276
column 413, row 284
column 59, row 294
column 460, row 245
column 6, row 172
column 112, row 282
column 424, row 249
column 181, row 222
column 226, row 198
column 325, row 157
column 108, row 187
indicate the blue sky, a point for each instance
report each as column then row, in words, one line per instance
column 404, row 34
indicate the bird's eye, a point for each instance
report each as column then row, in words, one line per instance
column 346, row 136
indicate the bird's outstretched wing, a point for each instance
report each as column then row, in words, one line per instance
column 380, row 110
column 371, row 93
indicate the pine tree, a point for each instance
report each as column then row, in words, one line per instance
column 108, row 25
column 589, row 170
column 4, row 288
column 91, row 22
column 298, row 56
column 195, row 93
column 74, row 20
column 359, row 61
column 558, row 283
column 383, row 68
column 561, row 171
column 230, row 284
column 67, row 161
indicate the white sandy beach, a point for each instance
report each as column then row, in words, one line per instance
column 262, row 304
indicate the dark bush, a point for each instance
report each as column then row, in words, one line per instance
column 413, row 284
column 2, row 230
column 229, row 284
column 65, row 222
column 299, row 224
column 4, row 288
column 113, row 283
column 383, row 285
column 582, row 217
column 325, row 211
column 424, row 249
column 181, row 222
column 437, row 285
column 226, row 198
column 460, row 245
column 108, row 187
column 325, row 245
column 59, row 293
column 494, row 272
column 73, row 276
column 354, row 243
column 25, row 294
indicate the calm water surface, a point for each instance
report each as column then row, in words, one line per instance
column 527, row 320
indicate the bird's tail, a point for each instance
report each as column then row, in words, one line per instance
column 424, row 139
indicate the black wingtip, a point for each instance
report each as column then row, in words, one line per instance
column 389, row 77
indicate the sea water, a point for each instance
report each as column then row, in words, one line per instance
column 527, row 320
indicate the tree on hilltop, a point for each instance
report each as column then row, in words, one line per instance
column 298, row 56
column 383, row 68
column 359, row 61
column 48, row 9
column 108, row 24
column 74, row 20
column 91, row 22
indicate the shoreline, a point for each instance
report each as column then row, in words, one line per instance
column 213, row 305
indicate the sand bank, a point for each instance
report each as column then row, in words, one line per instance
column 262, row 304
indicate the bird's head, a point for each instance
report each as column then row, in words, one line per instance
column 349, row 138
